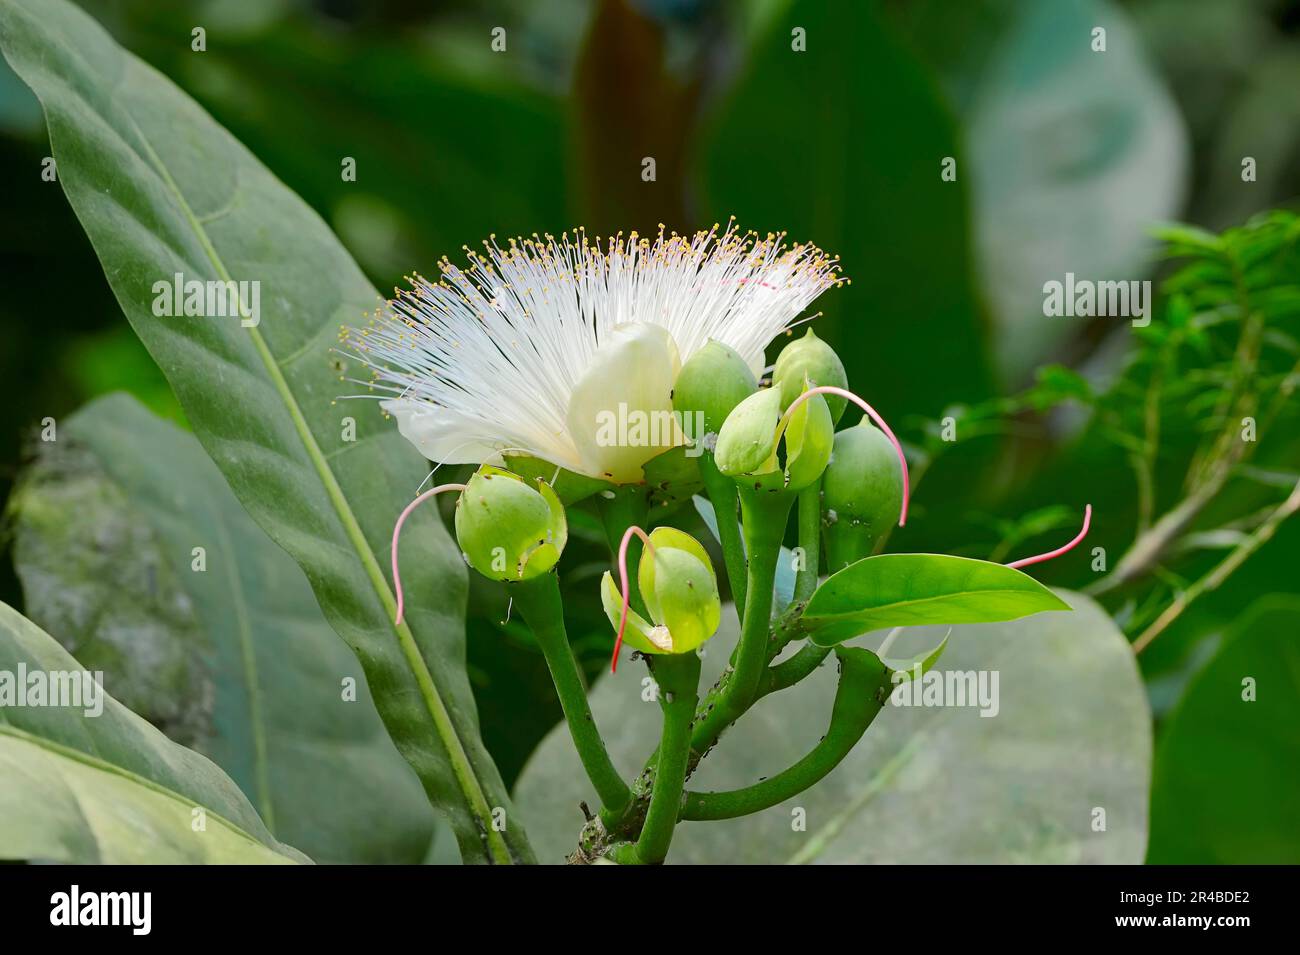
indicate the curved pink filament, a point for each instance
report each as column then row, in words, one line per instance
column 622, row 576
column 870, row 413
column 1038, row 559
column 397, row 529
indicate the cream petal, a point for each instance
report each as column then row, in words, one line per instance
column 440, row 434
column 450, row 437
column 620, row 414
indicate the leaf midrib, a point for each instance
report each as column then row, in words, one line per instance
column 998, row 591
column 434, row 704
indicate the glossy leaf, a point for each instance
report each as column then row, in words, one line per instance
column 163, row 191
column 911, row 590
column 230, row 655
column 88, row 787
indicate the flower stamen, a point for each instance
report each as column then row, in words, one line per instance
column 1039, row 558
column 622, row 576
column 870, row 413
column 397, row 530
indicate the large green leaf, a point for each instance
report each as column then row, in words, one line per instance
column 251, row 675
column 914, row 590
column 926, row 784
column 108, row 787
column 1226, row 786
column 161, row 189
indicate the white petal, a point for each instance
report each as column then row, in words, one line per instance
column 620, row 415
column 439, row 434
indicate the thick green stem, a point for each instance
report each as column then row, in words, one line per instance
column 678, row 677
column 790, row 671
column 765, row 515
column 539, row 602
column 722, row 495
column 863, row 688
column 810, row 539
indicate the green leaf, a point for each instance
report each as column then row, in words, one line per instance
column 106, row 523
column 910, row 590
column 905, row 667
column 926, row 784
column 1226, row 785
column 106, row 787
column 161, row 189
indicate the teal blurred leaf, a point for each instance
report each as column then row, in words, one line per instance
column 1072, row 154
column 237, row 660
column 109, row 788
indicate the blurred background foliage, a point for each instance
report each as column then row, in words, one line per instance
column 1061, row 166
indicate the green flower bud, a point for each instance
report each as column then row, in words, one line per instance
column 570, row 486
column 510, row 528
column 809, row 359
column 747, row 448
column 862, row 494
column 680, row 591
column 713, row 382
column 673, row 476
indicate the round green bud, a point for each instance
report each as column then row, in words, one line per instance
column 748, row 438
column 809, row 359
column 748, row 444
column 711, row 384
column 862, row 494
column 510, row 528
column 680, row 591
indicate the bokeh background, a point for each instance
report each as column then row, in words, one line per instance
column 1062, row 165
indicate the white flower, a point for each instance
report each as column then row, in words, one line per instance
column 535, row 345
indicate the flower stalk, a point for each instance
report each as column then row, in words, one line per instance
column 678, row 677
column 539, row 601
column 722, row 495
column 764, row 515
column 810, row 540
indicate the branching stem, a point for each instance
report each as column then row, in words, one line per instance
column 863, row 688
